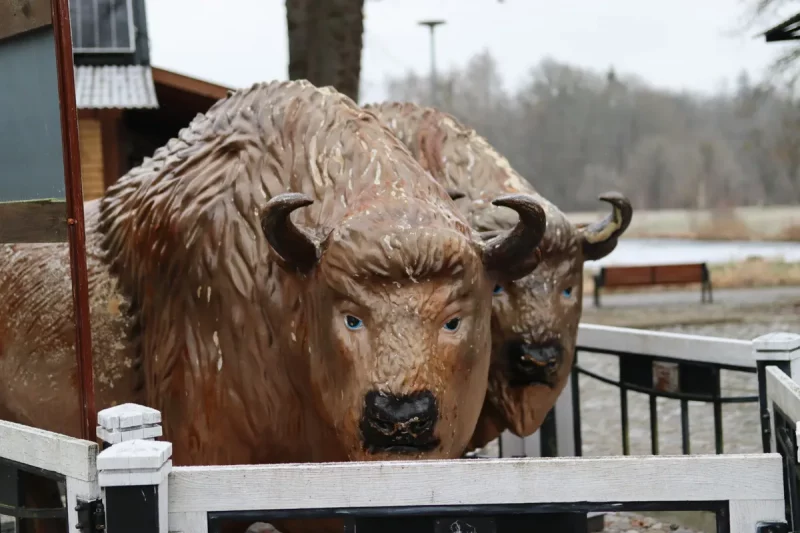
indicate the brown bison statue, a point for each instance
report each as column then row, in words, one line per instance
column 535, row 318
column 283, row 281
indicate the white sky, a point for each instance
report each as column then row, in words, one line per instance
column 678, row 44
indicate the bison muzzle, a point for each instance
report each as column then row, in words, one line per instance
column 399, row 424
column 530, row 364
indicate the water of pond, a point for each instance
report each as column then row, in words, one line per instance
column 666, row 251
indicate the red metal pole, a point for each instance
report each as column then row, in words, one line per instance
column 75, row 221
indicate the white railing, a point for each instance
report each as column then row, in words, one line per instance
column 137, row 481
column 733, row 354
column 73, row 459
column 194, row 492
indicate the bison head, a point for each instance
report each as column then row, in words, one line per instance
column 396, row 304
column 535, row 322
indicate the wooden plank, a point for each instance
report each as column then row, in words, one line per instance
column 33, row 221
column 476, row 482
column 784, row 392
column 49, row 451
column 624, row 276
column 745, row 515
column 20, row 16
column 678, row 273
column 695, row 348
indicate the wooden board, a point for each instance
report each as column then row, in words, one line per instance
column 731, row 477
column 678, row 273
column 625, row 276
column 19, row 16
column 695, row 348
column 33, row 221
column 73, row 458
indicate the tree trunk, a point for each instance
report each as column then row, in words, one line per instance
column 325, row 41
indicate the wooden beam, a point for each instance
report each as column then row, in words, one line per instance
column 49, row 451
column 20, row 17
column 678, row 346
column 33, row 221
column 110, row 139
column 695, row 478
column 188, row 84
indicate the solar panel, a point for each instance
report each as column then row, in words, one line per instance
column 102, row 26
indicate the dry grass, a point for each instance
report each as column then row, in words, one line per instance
column 753, row 272
column 791, row 233
column 773, row 223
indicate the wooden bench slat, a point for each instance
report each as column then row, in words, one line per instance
column 632, row 276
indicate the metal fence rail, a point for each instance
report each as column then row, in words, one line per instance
column 663, row 365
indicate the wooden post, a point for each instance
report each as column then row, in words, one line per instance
column 781, row 350
column 133, row 477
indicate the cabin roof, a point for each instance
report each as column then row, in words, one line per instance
column 115, row 87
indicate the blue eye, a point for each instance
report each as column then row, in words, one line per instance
column 498, row 289
column 353, row 323
column 567, row 292
column 452, row 324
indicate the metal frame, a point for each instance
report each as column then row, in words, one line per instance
column 120, row 49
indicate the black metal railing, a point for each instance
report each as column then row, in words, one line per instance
column 531, row 518
column 18, row 480
column 658, row 377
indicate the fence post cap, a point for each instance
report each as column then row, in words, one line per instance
column 776, row 342
column 134, row 462
column 128, row 415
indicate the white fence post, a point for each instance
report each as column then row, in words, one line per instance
column 128, row 421
column 781, row 350
column 133, row 477
column 133, row 471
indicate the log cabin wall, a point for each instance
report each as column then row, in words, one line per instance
column 92, row 171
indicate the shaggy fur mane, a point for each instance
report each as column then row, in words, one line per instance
column 182, row 234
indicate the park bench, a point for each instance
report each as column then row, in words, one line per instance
column 642, row 276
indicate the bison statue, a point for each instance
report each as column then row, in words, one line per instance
column 283, row 281
column 535, row 318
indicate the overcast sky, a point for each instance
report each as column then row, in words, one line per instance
column 680, row 44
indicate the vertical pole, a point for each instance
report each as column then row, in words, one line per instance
column 432, row 26
column 75, row 220
column 434, row 99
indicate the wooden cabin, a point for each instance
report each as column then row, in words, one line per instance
column 126, row 107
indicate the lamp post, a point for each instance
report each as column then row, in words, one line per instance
column 431, row 24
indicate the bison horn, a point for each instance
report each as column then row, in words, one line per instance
column 454, row 194
column 514, row 254
column 298, row 250
column 600, row 238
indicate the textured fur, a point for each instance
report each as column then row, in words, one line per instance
column 533, row 310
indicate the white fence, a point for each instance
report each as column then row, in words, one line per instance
column 667, row 350
column 142, row 491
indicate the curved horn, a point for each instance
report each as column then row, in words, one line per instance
column 514, row 254
column 600, row 238
column 298, row 249
column 454, row 194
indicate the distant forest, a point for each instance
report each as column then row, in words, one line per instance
column 575, row 133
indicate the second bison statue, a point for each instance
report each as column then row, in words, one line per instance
column 283, row 281
column 535, row 318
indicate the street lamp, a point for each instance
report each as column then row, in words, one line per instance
column 431, row 24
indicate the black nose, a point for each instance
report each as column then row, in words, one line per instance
column 399, row 424
column 531, row 364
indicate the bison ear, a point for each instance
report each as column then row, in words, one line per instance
column 298, row 250
column 454, row 194
column 600, row 238
column 515, row 254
